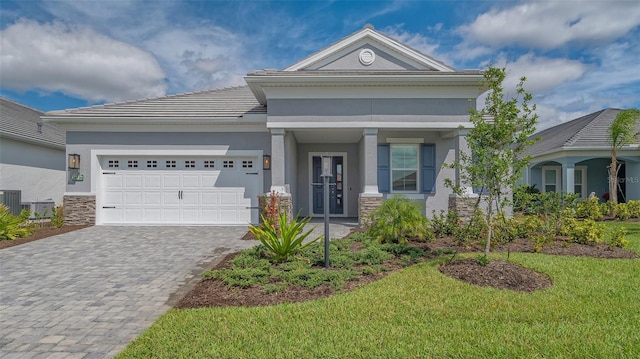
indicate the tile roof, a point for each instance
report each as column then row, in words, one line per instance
column 21, row 122
column 221, row 103
column 590, row 131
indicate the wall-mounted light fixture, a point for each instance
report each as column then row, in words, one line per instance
column 74, row 161
column 266, row 162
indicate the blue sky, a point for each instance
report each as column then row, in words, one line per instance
column 578, row 56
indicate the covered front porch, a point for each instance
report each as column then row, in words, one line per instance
column 360, row 180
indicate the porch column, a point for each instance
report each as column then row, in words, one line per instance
column 370, row 198
column 370, row 160
column 568, row 177
column 277, row 161
column 464, row 205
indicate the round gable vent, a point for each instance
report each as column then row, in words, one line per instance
column 367, row 57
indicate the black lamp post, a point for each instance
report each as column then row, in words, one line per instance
column 326, row 174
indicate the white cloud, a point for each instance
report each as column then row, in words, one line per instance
column 76, row 61
column 542, row 73
column 203, row 58
column 417, row 41
column 552, row 24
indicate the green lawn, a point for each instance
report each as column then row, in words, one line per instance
column 592, row 310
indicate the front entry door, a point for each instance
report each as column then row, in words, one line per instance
column 336, row 186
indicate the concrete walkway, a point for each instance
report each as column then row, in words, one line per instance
column 88, row 293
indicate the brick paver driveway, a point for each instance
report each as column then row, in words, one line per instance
column 88, row 293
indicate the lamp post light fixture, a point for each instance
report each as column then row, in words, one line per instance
column 326, row 174
column 74, row 161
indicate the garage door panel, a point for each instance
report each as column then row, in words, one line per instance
column 133, row 215
column 133, row 181
column 133, row 198
column 112, row 198
column 179, row 194
column 191, row 181
column 171, row 181
column 152, row 215
column 190, row 198
column 152, row 181
column 152, row 198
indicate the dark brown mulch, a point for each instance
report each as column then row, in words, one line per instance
column 40, row 233
column 214, row 293
column 497, row 274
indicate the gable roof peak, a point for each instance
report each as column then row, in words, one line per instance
column 368, row 33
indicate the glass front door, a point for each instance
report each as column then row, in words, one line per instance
column 336, row 186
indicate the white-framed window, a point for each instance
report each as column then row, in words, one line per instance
column 551, row 179
column 404, row 167
column 580, row 181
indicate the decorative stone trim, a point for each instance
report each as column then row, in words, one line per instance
column 285, row 204
column 367, row 204
column 79, row 209
column 463, row 205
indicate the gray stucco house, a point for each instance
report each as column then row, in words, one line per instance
column 387, row 114
column 32, row 154
column 573, row 157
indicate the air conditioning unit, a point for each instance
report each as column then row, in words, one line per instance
column 40, row 209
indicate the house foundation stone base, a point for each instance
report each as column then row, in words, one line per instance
column 367, row 204
column 463, row 205
column 284, row 204
column 79, row 210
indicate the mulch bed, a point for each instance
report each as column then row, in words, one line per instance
column 498, row 274
column 44, row 232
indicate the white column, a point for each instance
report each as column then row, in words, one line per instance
column 568, row 178
column 461, row 145
column 277, row 161
column 370, row 160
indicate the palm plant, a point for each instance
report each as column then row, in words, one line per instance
column 621, row 132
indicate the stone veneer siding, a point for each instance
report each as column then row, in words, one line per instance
column 366, row 206
column 285, row 205
column 79, row 209
column 464, row 205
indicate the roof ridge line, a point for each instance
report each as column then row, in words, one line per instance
column 145, row 99
column 578, row 134
column 21, row 104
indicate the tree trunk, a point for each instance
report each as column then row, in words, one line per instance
column 487, row 246
column 613, row 178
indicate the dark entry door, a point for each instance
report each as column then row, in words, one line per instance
column 336, row 186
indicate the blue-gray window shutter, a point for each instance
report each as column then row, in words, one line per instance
column 428, row 168
column 384, row 165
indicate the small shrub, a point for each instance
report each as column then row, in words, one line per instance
column 539, row 240
column 525, row 198
column 590, row 209
column 621, row 211
column 506, row 229
column 443, row 224
column 285, row 239
column 12, row 227
column 397, row 220
column 360, row 237
column 402, row 250
column 372, row 255
column 618, row 237
column 57, row 217
column 474, row 229
column 634, row 208
column 275, row 287
column 483, row 260
column 240, row 277
column 586, row 232
column 529, row 226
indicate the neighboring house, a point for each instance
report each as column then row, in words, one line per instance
column 32, row 154
column 574, row 156
column 387, row 114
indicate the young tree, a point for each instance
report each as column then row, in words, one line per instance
column 621, row 132
column 497, row 143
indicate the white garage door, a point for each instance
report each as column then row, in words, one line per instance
column 179, row 190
